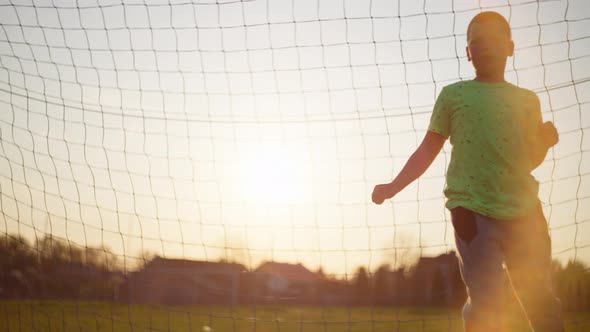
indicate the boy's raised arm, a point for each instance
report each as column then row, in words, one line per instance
column 418, row 163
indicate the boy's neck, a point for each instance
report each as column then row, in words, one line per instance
column 490, row 78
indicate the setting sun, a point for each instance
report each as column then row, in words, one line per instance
column 272, row 174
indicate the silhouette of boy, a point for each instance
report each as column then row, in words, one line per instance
column 497, row 137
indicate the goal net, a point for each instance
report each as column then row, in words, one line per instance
column 208, row 165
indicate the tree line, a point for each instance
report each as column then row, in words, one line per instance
column 51, row 268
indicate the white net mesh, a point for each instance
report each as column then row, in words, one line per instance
column 252, row 132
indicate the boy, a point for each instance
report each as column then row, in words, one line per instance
column 498, row 138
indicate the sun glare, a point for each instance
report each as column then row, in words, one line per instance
column 273, row 174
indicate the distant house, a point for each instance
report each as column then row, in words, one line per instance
column 179, row 281
column 437, row 281
column 284, row 283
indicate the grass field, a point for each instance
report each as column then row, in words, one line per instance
column 100, row 316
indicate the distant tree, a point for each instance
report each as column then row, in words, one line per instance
column 52, row 252
column 361, row 286
column 15, row 253
column 573, row 285
column 145, row 257
column 439, row 288
column 18, row 268
column 382, row 285
column 101, row 258
column 320, row 272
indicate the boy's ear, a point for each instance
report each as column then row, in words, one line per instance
column 511, row 48
column 468, row 54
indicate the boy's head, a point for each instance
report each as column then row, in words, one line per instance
column 489, row 43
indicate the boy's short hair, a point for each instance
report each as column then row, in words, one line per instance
column 484, row 17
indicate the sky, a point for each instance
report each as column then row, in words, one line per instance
column 256, row 130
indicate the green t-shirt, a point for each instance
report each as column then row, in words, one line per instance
column 492, row 127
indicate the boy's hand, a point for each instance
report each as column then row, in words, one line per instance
column 381, row 192
column 549, row 134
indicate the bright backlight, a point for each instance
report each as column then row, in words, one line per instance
column 273, row 174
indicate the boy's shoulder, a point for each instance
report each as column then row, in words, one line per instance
column 527, row 93
column 468, row 85
column 459, row 84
